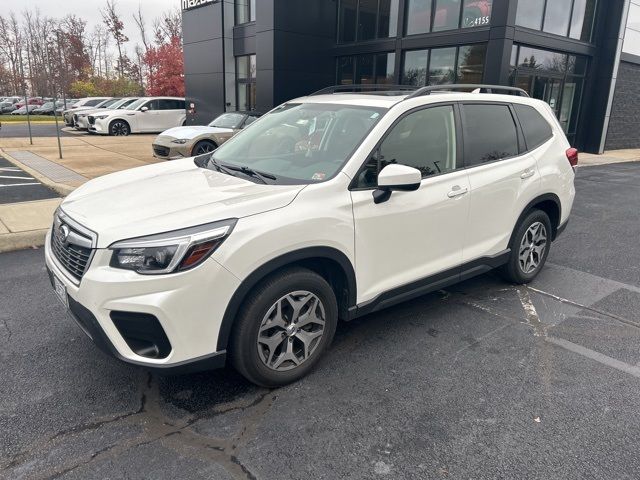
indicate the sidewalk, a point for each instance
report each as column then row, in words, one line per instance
column 23, row 225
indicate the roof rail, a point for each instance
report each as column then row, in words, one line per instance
column 380, row 89
column 474, row 87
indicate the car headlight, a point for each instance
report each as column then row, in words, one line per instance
column 181, row 141
column 170, row 252
column 101, row 117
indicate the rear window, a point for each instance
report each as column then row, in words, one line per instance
column 535, row 128
column 489, row 133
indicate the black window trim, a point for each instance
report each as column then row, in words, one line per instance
column 520, row 136
column 353, row 185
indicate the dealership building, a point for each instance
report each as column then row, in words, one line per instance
column 581, row 56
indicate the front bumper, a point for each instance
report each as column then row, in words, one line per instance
column 188, row 306
column 99, row 126
column 82, row 123
column 166, row 150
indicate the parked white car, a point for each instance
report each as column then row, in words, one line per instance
column 81, row 104
column 81, row 118
column 146, row 115
column 329, row 207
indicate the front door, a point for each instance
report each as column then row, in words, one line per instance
column 413, row 235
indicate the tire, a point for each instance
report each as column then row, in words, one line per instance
column 265, row 355
column 202, row 147
column 524, row 262
column 119, row 128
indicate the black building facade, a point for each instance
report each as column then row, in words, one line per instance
column 580, row 56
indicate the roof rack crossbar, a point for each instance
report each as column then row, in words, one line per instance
column 364, row 88
column 487, row 88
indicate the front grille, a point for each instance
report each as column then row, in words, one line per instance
column 71, row 248
column 92, row 120
column 161, row 151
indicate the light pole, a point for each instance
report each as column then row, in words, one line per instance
column 24, row 91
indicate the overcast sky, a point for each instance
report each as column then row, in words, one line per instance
column 89, row 10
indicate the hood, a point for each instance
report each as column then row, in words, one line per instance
column 189, row 133
column 90, row 110
column 168, row 196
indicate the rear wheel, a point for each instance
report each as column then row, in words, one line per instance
column 286, row 324
column 202, row 147
column 529, row 248
column 119, row 128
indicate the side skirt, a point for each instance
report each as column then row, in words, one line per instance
column 430, row 284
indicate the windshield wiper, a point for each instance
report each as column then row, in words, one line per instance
column 252, row 173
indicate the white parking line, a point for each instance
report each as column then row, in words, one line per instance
column 9, row 169
column 20, row 184
column 16, row 178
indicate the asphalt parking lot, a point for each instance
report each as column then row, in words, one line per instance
column 16, row 185
column 483, row 380
column 21, row 130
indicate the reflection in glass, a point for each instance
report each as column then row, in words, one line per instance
column 442, row 66
column 476, row 13
column 529, row 14
column 447, row 15
column 471, row 63
column 584, row 12
column 367, row 19
column 418, row 16
column 385, row 68
column 415, row 68
column 345, row 70
column 388, row 22
column 556, row 17
column 347, row 17
column 542, row 59
column 364, row 69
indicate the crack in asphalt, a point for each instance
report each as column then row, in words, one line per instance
column 6, row 326
column 178, row 435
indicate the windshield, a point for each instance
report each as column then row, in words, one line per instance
column 228, row 120
column 47, row 105
column 297, row 143
column 108, row 103
column 123, row 104
column 138, row 103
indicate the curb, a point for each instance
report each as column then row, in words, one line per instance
column 59, row 188
column 22, row 240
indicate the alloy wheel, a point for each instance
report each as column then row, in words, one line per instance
column 204, row 148
column 532, row 247
column 291, row 330
column 119, row 129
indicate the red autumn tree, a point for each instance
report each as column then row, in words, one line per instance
column 165, row 69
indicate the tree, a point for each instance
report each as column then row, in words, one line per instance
column 165, row 69
column 115, row 26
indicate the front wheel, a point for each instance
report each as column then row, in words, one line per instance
column 119, row 128
column 529, row 248
column 202, row 147
column 285, row 326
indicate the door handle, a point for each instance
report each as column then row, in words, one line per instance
column 529, row 172
column 456, row 191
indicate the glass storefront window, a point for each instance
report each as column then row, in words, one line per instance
column 463, row 64
column 367, row 19
column 476, row 13
column 418, row 16
column 388, row 19
column 245, row 11
column 554, row 77
column 369, row 69
column 246, row 82
column 557, row 16
column 584, row 13
column 567, row 18
column 471, row 63
column 415, row 67
column 447, row 15
column 442, row 66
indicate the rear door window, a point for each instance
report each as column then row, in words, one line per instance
column 489, row 133
column 535, row 128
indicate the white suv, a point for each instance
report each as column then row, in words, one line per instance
column 330, row 207
column 145, row 115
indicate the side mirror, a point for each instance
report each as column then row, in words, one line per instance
column 396, row 177
column 144, row 109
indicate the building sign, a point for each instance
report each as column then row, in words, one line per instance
column 189, row 4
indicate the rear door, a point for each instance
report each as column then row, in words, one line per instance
column 503, row 177
column 171, row 112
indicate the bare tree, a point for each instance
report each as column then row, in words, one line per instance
column 167, row 27
column 115, row 26
column 11, row 47
column 140, row 22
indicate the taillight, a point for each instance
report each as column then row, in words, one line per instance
column 572, row 156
